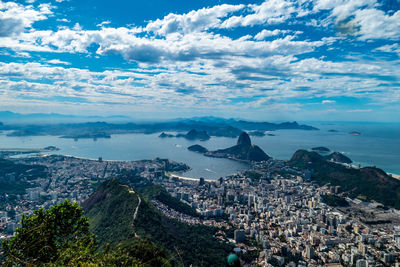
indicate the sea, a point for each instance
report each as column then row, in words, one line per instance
column 377, row 145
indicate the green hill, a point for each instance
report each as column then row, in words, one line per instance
column 373, row 183
column 151, row 191
column 14, row 177
column 118, row 212
column 338, row 157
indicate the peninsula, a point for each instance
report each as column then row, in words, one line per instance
column 243, row 151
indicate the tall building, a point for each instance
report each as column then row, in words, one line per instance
column 362, row 263
column 239, row 236
column 388, row 258
column 309, row 252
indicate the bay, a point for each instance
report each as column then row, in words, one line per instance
column 378, row 145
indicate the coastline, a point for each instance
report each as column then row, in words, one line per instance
column 170, row 175
column 395, row 176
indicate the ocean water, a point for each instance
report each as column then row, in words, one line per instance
column 378, row 145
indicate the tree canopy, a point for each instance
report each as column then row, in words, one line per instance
column 60, row 236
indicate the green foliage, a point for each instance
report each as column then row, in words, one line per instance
column 151, row 191
column 46, row 235
column 250, row 255
column 149, row 253
column 255, row 176
column 371, row 182
column 159, row 193
column 110, row 211
column 20, row 174
column 60, row 237
column 334, row 201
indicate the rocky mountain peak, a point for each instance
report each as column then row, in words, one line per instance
column 244, row 140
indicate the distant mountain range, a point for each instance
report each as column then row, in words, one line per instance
column 199, row 128
column 8, row 117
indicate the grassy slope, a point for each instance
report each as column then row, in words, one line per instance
column 110, row 210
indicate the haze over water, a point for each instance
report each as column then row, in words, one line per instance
column 378, row 144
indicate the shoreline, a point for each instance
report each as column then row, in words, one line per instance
column 395, row 176
column 188, row 178
column 43, row 153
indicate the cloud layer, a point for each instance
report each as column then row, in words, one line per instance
column 275, row 55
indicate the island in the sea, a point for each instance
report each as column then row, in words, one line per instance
column 242, row 151
column 51, row 148
column 191, row 135
column 355, row 133
column 87, row 136
column 195, row 135
column 166, row 135
column 198, row 148
column 257, row 133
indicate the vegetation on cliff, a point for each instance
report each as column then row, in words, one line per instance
column 60, row 236
column 373, row 183
column 111, row 211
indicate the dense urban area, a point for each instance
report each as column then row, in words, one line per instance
column 277, row 214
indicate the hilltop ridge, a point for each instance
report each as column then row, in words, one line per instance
column 118, row 212
column 369, row 182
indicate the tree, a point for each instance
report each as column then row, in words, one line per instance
column 60, row 236
column 60, row 233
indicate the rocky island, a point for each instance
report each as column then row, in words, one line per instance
column 198, row 148
column 166, row 135
column 87, row 136
column 51, row 148
column 195, row 135
column 243, row 151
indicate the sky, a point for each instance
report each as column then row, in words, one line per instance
column 260, row 60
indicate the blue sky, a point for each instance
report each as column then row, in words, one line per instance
column 261, row 60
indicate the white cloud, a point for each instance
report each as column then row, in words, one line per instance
column 269, row 12
column 186, row 60
column 57, row 62
column 196, row 20
column 267, row 33
column 106, row 22
column 63, row 20
column 15, row 18
column 393, row 48
column 175, row 46
column 362, row 18
column 375, row 24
